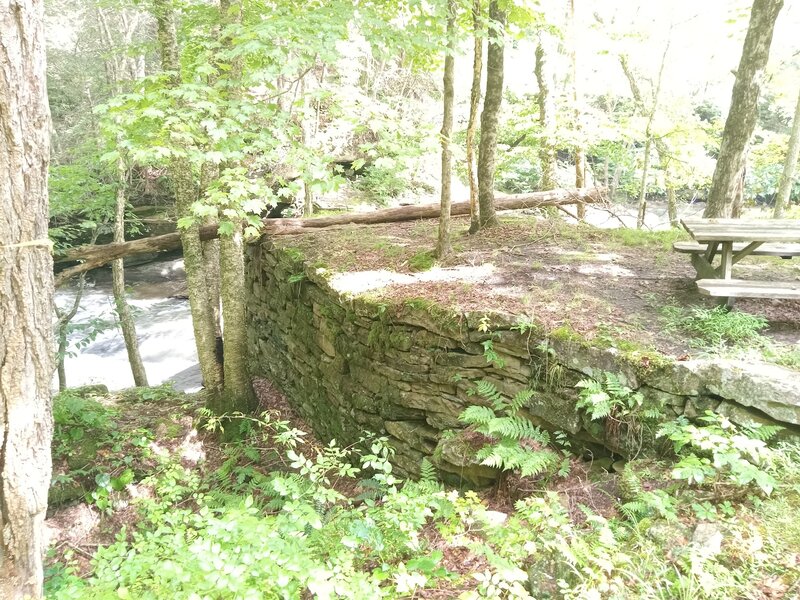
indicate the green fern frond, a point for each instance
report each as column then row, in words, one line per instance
column 520, row 400
column 630, row 485
column 427, row 472
column 537, row 462
column 477, row 415
column 763, row 433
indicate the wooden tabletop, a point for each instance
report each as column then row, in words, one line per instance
column 742, row 230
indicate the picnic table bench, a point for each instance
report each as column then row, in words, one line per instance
column 733, row 240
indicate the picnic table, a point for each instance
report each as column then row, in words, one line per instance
column 733, row 240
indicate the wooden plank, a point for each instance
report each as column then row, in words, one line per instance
column 739, row 230
column 726, row 261
column 741, row 288
column 782, row 250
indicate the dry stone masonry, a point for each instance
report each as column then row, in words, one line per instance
column 351, row 364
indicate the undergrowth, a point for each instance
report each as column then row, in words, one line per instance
column 281, row 516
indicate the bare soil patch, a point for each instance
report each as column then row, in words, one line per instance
column 598, row 282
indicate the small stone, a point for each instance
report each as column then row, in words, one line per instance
column 707, row 539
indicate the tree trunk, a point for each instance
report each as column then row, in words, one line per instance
column 672, row 205
column 489, row 117
column 443, row 245
column 97, row 256
column 26, row 300
column 185, row 194
column 124, row 314
column 661, row 146
column 199, row 302
column 580, row 151
column 643, row 190
column 472, row 124
column 238, row 392
column 743, row 112
column 787, row 179
column 547, row 116
column 209, row 172
column 238, row 395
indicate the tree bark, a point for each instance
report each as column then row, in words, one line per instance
column 743, row 112
column 443, row 245
column 789, row 165
column 126, row 322
column 208, row 172
column 26, row 300
column 490, row 115
column 547, row 116
column 238, row 395
column 474, row 103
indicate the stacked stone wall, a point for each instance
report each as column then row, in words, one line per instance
column 350, row 365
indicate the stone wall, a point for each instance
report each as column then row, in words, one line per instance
column 405, row 371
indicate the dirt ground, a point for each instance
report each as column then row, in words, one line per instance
column 612, row 282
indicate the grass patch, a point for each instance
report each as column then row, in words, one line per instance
column 422, row 261
column 639, row 238
column 714, row 327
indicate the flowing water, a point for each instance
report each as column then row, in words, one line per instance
column 163, row 327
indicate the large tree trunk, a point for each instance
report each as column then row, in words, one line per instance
column 238, row 393
column 547, row 115
column 743, row 112
column 124, row 313
column 490, row 115
column 185, row 194
column 789, row 165
column 474, row 102
column 209, row 172
column 443, row 245
column 26, row 300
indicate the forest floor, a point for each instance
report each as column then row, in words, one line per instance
column 623, row 284
column 122, row 538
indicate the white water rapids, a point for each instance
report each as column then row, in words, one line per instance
column 163, row 328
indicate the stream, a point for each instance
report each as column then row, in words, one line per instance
column 163, row 327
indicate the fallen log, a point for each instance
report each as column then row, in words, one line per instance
column 93, row 257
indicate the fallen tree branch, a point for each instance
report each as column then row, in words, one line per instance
column 92, row 257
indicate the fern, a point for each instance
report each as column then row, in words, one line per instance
column 510, row 431
column 477, row 415
column 427, row 473
column 520, row 400
column 488, row 391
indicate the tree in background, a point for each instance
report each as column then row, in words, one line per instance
column 547, row 110
column 443, row 244
column 490, row 115
column 478, row 34
column 26, row 300
column 789, row 165
column 580, row 149
column 743, row 112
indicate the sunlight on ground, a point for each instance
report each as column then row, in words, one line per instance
column 367, row 281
